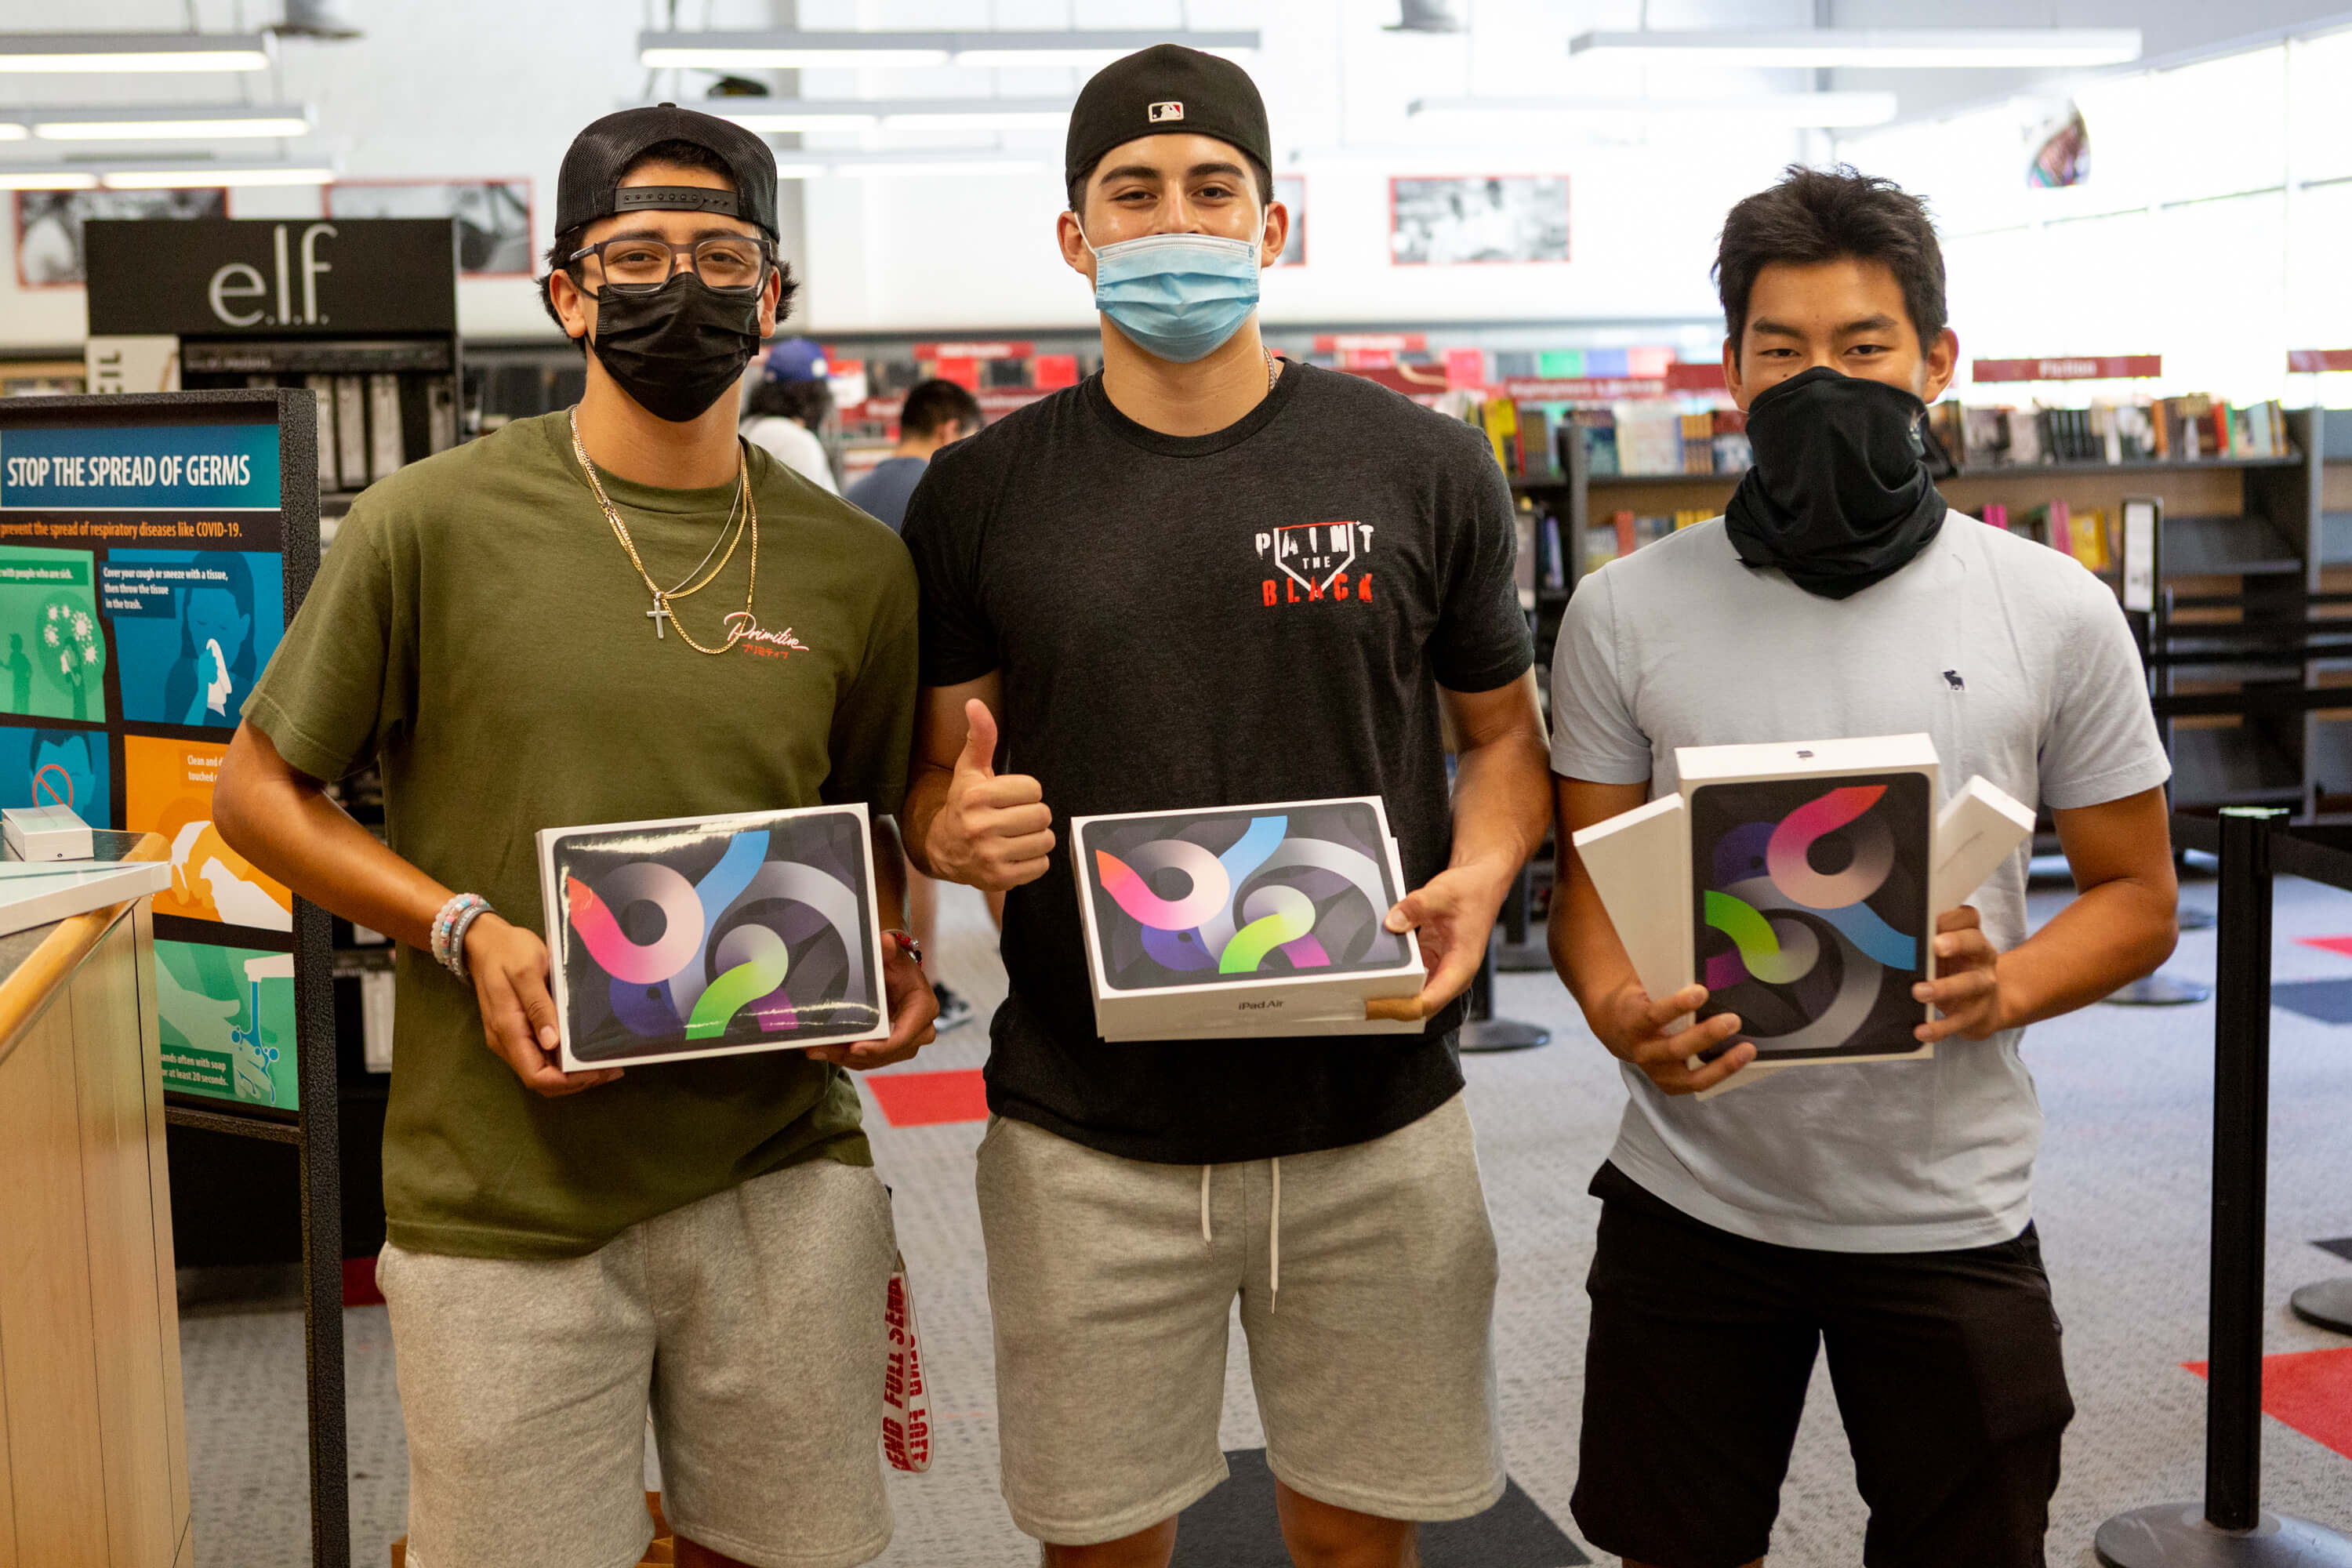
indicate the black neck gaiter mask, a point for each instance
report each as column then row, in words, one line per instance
column 1839, row 498
column 677, row 349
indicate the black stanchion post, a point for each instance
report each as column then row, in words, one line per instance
column 322, row 1247
column 1483, row 1031
column 2230, row 1530
column 2241, row 1088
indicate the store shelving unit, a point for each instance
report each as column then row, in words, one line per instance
column 2261, row 533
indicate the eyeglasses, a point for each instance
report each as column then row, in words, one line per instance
column 729, row 263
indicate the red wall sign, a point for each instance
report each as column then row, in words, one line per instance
column 2079, row 367
column 973, row 351
column 2319, row 359
column 1582, row 389
column 1697, row 375
column 1375, row 342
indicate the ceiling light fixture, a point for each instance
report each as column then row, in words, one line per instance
column 1935, row 48
column 11, row 131
column 875, row 165
column 791, row 49
column 1802, row 110
column 109, row 52
column 153, row 179
column 898, row 115
column 162, row 176
column 46, row 180
column 181, row 123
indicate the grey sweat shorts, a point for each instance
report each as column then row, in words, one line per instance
column 751, row 1321
column 1367, row 1298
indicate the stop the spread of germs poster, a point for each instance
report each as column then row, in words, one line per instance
column 142, row 593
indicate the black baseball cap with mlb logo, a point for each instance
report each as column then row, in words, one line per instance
column 589, row 186
column 1166, row 89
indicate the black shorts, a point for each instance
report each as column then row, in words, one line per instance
column 1947, row 1368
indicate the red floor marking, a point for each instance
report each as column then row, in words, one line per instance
column 2336, row 944
column 927, row 1099
column 2310, row 1391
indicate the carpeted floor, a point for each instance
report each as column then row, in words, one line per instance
column 2122, row 1207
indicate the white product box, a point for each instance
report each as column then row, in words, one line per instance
column 1242, row 920
column 1801, row 884
column 44, row 833
column 712, row 936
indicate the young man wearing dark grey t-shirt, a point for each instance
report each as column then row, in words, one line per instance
column 1104, row 586
column 1883, row 1209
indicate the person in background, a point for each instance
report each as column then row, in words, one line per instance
column 937, row 413
column 791, row 401
column 1883, row 1209
column 1103, row 586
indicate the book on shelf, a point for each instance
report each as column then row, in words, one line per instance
column 1596, row 431
column 2196, row 427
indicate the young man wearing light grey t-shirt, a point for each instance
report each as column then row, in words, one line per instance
column 1885, row 1209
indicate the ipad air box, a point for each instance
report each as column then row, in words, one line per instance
column 1810, row 871
column 712, row 936
column 1801, row 883
column 1242, row 920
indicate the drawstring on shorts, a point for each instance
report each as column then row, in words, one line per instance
column 1273, row 1235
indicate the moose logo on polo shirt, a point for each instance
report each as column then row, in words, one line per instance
column 1314, row 561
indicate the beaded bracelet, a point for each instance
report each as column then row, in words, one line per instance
column 449, row 927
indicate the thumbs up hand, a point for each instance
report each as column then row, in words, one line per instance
column 992, row 833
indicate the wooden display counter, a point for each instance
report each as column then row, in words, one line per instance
column 93, row 1437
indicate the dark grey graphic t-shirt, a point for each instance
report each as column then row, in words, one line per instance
column 1260, row 615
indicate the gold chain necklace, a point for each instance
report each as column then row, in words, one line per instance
column 661, row 611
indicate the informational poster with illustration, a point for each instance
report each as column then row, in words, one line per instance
column 57, row 767
column 227, row 1015
column 143, row 590
column 55, row 659
column 169, row 788
column 192, row 630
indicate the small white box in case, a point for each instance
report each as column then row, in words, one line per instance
column 712, row 936
column 44, row 833
column 1242, row 920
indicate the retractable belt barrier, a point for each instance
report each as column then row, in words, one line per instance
column 2230, row 1527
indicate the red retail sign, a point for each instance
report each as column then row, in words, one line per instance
column 973, row 351
column 2078, row 367
column 1382, row 342
column 2319, row 359
column 1582, row 389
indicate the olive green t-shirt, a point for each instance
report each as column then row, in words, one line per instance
column 478, row 629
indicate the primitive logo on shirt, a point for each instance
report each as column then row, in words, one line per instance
column 1315, row 561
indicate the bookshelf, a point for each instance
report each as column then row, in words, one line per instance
column 2261, row 533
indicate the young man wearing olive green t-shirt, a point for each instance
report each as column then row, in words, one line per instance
column 705, row 1236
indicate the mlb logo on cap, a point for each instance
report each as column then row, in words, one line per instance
column 1160, row 111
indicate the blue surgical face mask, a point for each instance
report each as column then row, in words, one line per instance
column 1177, row 296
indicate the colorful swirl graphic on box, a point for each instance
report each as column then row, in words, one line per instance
column 706, row 939
column 1815, row 965
column 1196, row 898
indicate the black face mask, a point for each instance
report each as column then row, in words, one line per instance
column 677, row 349
column 1839, row 497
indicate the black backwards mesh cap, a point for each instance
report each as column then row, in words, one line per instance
column 1165, row 90
column 589, row 188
